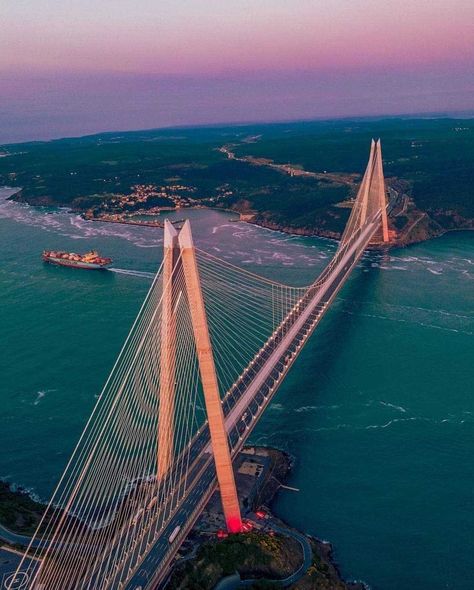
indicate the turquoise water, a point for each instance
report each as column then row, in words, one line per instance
column 378, row 412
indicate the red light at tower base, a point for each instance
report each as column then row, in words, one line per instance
column 234, row 524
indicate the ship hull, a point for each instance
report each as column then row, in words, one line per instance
column 75, row 263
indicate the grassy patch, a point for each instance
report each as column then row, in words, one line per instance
column 253, row 555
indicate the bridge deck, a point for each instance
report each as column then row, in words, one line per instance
column 244, row 406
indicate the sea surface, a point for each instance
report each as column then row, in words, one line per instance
column 378, row 412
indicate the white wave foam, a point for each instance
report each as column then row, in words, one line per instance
column 133, row 273
column 315, row 408
column 28, row 491
column 409, row 320
column 395, row 407
column 41, row 394
column 216, row 228
column 142, row 244
column 394, row 421
column 277, row 407
column 282, row 257
column 306, row 409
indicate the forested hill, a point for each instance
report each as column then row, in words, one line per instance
column 431, row 161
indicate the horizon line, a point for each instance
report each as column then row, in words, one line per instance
column 417, row 115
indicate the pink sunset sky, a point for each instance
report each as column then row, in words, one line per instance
column 80, row 66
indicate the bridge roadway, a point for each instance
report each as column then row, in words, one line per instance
column 243, row 406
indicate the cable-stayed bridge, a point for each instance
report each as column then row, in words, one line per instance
column 206, row 354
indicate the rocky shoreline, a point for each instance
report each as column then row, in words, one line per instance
column 22, row 513
column 419, row 226
column 213, row 559
column 424, row 228
column 323, row 551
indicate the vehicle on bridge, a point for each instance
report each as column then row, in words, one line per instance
column 137, row 516
column 179, row 405
column 174, row 534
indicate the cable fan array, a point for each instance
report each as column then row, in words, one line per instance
column 243, row 311
column 109, row 505
column 371, row 198
column 147, row 442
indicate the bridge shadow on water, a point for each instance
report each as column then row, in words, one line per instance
column 316, row 369
column 339, row 325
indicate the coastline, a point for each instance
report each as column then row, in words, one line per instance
column 405, row 238
column 321, row 548
column 330, row 235
column 426, row 227
column 429, row 231
column 394, row 397
column 26, row 510
column 323, row 568
column 319, row 572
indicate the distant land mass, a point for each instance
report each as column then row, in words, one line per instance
column 295, row 177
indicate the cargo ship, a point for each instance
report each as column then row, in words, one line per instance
column 91, row 260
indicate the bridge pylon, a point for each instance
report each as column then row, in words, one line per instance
column 215, row 414
column 382, row 192
column 373, row 191
column 171, row 260
column 111, row 523
column 371, row 198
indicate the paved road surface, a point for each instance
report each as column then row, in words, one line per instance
column 256, row 392
column 13, row 538
column 243, row 406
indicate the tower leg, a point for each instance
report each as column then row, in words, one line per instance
column 215, row 415
column 382, row 194
column 365, row 186
column 167, row 354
